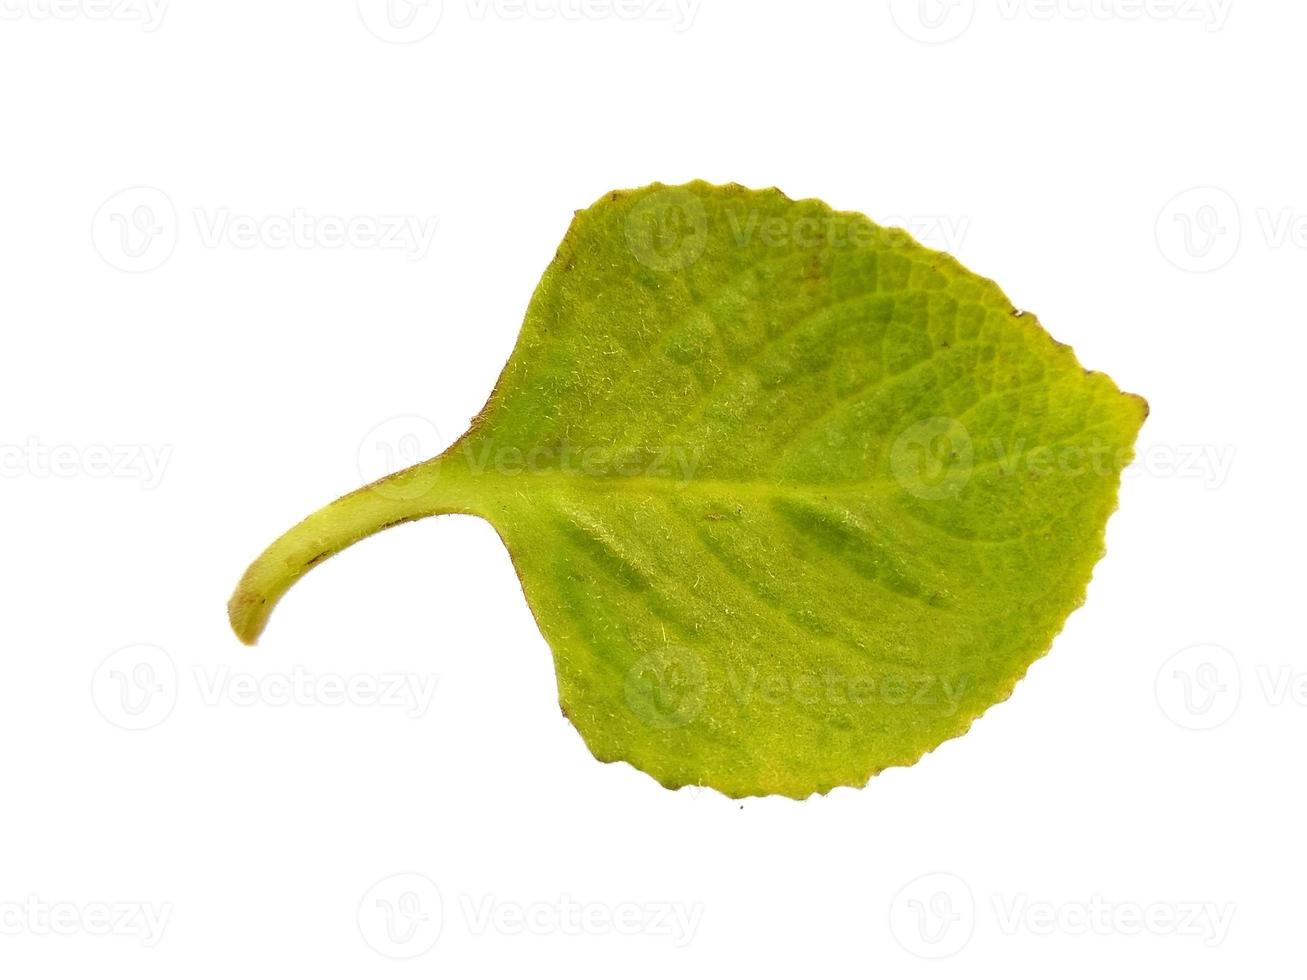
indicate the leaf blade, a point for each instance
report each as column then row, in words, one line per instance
column 792, row 498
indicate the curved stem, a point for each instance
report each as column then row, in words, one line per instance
column 420, row 491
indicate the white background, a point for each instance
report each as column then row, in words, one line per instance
column 161, row 424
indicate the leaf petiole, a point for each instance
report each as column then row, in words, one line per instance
column 429, row 488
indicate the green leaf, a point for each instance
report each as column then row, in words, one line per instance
column 792, row 498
